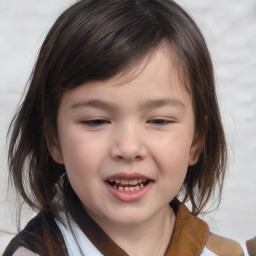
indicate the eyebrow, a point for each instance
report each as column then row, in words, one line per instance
column 158, row 103
column 149, row 104
column 94, row 103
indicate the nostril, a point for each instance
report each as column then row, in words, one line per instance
column 129, row 158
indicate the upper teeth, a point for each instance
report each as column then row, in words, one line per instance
column 128, row 182
column 127, row 189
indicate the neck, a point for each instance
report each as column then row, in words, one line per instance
column 151, row 237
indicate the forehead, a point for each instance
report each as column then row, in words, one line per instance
column 152, row 78
column 160, row 59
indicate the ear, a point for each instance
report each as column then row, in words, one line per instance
column 54, row 149
column 195, row 150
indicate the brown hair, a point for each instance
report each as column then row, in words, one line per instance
column 94, row 40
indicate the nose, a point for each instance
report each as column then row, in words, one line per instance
column 128, row 144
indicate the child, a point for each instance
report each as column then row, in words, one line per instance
column 119, row 127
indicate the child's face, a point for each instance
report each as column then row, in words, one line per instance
column 135, row 128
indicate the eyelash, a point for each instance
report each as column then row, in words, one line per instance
column 160, row 122
column 101, row 122
column 94, row 122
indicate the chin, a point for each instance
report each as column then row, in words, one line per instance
column 128, row 217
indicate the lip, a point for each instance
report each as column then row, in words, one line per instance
column 129, row 176
column 129, row 196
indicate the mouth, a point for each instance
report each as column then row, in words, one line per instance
column 128, row 185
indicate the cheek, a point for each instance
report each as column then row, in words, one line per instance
column 172, row 156
column 174, row 151
column 81, row 158
column 173, row 167
column 80, row 154
column 83, row 165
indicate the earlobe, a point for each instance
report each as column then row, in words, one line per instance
column 195, row 151
column 193, row 157
column 54, row 149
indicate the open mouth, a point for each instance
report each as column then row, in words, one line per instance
column 128, row 185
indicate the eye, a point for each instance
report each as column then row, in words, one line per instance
column 160, row 121
column 95, row 122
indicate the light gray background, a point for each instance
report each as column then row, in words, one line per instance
column 230, row 30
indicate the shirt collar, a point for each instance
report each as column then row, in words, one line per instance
column 189, row 237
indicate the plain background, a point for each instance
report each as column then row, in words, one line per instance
column 230, row 30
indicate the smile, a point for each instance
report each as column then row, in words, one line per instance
column 128, row 185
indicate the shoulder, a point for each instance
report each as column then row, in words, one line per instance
column 223, row 246
column 251, row 246
column 22, row 251
column 24, row 239
column 37, row 237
